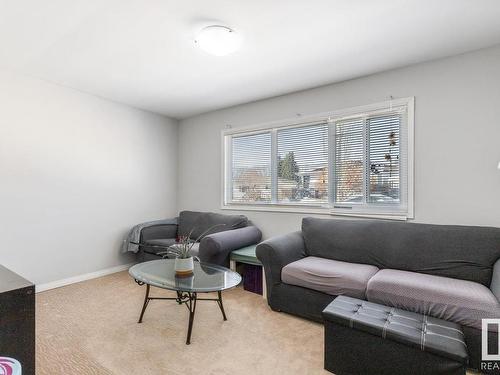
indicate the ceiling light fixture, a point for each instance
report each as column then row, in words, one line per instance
column 218, row 40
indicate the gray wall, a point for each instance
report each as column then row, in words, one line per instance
column 76, row 172
column 457, row 138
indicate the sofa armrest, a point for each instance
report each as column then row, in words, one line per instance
column 495, row 280
column 215, row 248
column 275, row 253
column 158, row 231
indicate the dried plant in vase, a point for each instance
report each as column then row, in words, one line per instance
column 184, row 260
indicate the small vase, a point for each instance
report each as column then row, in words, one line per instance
column 184, row 266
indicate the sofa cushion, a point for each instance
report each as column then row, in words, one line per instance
column 199, row 222
column 462, row 252
column 459, row 301
column 158, row 245
column 329, row 276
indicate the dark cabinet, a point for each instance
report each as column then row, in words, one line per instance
column 17, row 319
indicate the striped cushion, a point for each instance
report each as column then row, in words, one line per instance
column 329, row 276
column 459, row 301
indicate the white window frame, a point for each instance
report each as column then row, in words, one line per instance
column 332, row 208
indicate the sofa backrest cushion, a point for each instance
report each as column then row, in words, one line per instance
column 462, row 252
column 199, row 222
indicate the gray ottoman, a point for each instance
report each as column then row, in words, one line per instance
column 367, row 338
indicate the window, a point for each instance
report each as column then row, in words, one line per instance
column 251, row 168
column 302, row 165
column 351, row 162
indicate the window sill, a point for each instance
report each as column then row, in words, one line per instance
column 313, row 211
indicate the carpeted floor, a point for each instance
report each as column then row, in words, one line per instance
column 91, row 328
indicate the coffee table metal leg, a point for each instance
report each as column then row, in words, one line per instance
column 189, row 299
column 192, row 309
column 146, row 302
column 219, row 302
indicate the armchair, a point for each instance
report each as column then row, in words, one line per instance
column 214, row 247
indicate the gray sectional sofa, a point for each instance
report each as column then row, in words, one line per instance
column 215, row 247
column 448, row 272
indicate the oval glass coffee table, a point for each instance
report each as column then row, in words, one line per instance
column 206, row 278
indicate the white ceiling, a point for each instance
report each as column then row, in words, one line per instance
column 141, row 52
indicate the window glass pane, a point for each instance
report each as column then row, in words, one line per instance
column 384, row 187
column 302, row 165
column 349, row 155
column 251, row 168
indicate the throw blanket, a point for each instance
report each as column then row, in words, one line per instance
column 135, row 234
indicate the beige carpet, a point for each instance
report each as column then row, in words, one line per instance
column 91, row 328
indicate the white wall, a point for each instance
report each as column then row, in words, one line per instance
column 76, row 172
column 457, row 145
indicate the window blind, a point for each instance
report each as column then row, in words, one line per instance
column 302, row 165
column 251, row 168
column 349, row 160
column 384, row 163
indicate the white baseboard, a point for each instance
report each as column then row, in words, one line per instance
column 79, row 278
